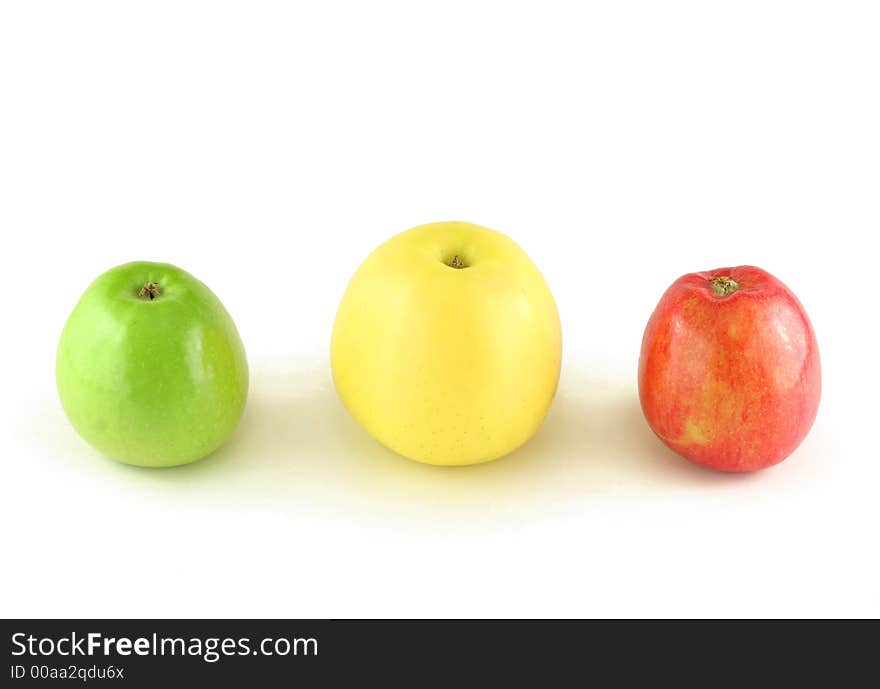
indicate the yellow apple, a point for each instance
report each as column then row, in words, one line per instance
column 447, row 344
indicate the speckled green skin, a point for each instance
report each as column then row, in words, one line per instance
column 151, row 382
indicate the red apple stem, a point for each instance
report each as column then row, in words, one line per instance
column 723, row 285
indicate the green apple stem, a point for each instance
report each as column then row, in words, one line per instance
column 723, row 285
column 149, row 291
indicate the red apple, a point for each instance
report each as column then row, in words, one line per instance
column 729, row 372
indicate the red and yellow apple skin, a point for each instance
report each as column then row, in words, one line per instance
column 729, row 373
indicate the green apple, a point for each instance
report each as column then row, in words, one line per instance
column 150, row 368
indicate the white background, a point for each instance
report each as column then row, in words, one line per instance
column 269, row 147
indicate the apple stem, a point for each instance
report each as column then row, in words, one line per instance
column 456, row 262
column 149, row 291
column 723, row 285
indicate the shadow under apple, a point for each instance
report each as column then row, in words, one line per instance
column 298, row 445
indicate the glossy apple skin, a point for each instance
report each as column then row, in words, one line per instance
column 448, row 365
column 732, row 381
column 151, row 382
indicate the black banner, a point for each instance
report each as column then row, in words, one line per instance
column 269, row 652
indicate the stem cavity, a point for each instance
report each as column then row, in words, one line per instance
column 723, row 285
column 149, row 291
